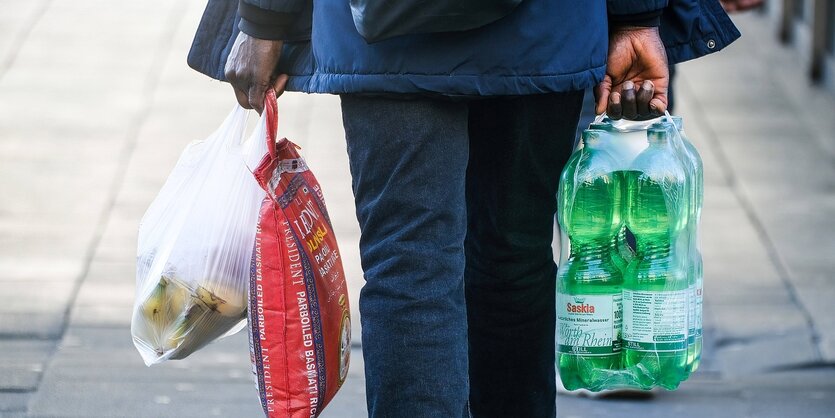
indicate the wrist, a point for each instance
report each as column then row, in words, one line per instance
column 634, row 30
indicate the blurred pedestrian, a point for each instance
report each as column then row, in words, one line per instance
column 456, row 140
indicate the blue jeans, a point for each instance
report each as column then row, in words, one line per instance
column 456, row 203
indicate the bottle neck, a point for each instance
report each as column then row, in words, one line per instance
column 659, row 142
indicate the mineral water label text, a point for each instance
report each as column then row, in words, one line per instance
column 691, row 315
column 589, row 324
column 655, row 321
column 699, row 285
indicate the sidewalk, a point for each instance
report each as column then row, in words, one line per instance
column 96, row 103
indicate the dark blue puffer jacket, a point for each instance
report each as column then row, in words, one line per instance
column 542, row 46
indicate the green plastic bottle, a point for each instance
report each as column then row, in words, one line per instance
column 656, row 288
column 589, row 307
column 694, row 269
column 624, row 254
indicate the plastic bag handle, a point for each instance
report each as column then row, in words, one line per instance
column 599, row 118
column 271, row 108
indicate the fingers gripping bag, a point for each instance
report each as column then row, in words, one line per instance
column 630, row 276
column 195, row 245
column 300, row 324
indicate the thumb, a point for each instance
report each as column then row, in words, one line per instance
column 601, row 93
column 280, row 84
column 658, row 105
column 256, row 94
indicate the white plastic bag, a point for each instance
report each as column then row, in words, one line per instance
column 195, row 245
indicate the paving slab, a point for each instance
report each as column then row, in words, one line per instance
column 797, row 393
column 36, row 297
column 803, row 233
column 13, row 403
column 216, row 381
column 819, row 301
column 766, row 353
column 22, row 363
column 31, row 325
column 716, row 292
column 349, row 402
column 692, row 399
column 789, row 166
column 104, row 303
column 745, row 320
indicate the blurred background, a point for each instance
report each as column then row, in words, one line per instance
column 97, row 102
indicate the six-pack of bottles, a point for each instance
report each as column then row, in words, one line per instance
column 629, row 284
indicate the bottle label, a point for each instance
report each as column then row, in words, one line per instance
column 655, row 321
column 699, row 286
column 691, row 315
column 589, row 325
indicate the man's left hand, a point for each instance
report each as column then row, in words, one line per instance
column 637, row 77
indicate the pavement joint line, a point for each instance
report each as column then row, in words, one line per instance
column 724, row 342
column 812, row 365
column 151, row 83
column 17, row 390
column 759, row 228
column 17, row 336
column 22, row 35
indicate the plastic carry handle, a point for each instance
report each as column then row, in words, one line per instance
column 271, row 107
column 628, row 125
column 264, row 172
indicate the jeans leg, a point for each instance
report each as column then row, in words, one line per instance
column 518, row 147
column 408, row 160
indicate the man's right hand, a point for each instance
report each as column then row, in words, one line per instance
column 251, row 69
column 637, row 61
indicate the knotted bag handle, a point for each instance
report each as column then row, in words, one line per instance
column 282, row 155
column 271, row 108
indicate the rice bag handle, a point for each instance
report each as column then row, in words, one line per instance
column 271, row 107
column 264, row 173
column 279, row 149
column 281, row 154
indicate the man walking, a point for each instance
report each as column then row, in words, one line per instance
column 456, row 141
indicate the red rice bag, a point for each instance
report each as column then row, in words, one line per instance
column 300, row 324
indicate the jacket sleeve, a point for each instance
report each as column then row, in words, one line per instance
column 689, row 28
column 286, row 20
column 695, row 28
column 631, row 7
column 645, row 13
